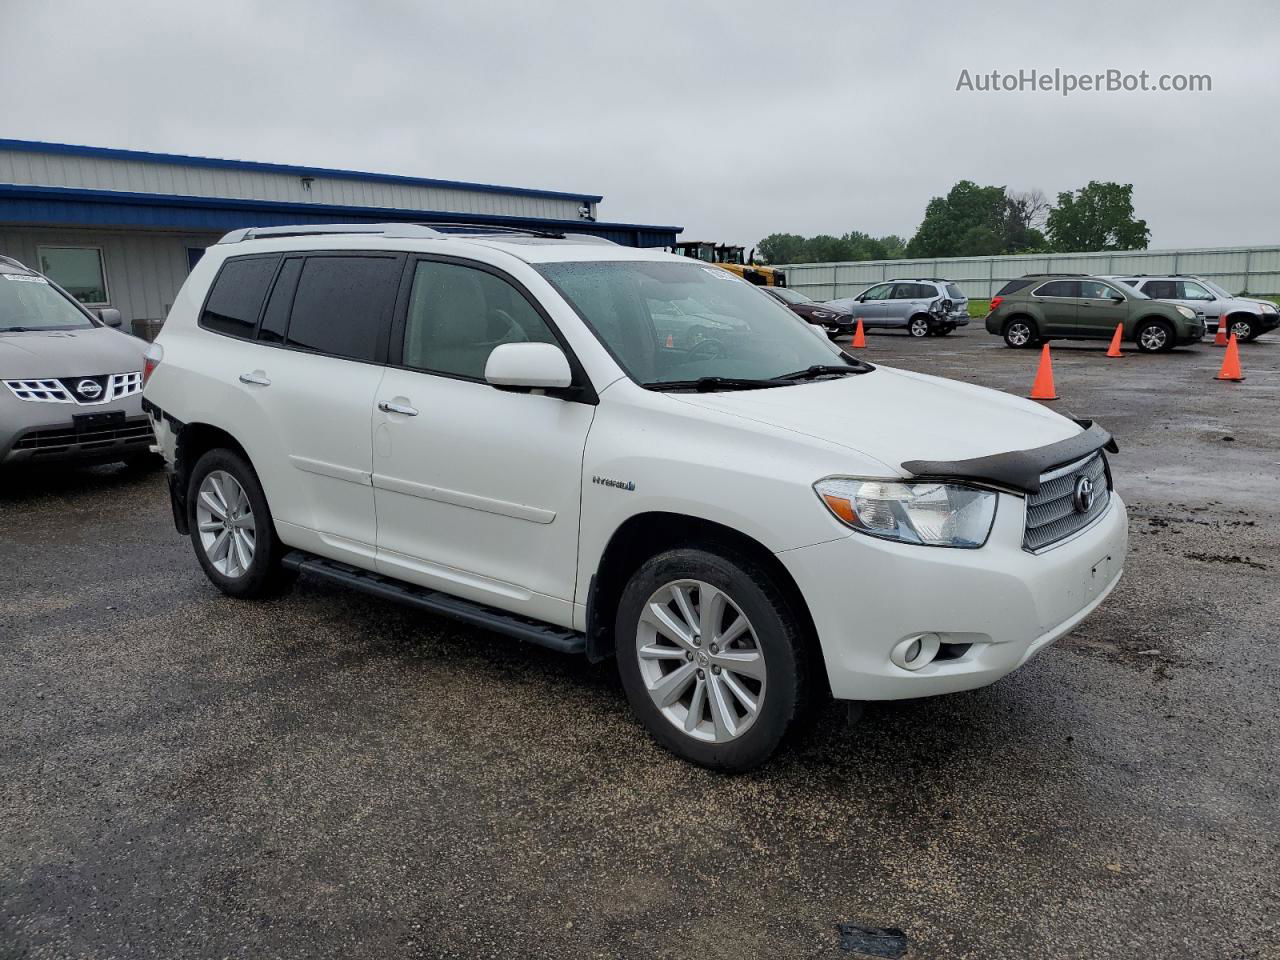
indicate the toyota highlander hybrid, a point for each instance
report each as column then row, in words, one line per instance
column 72, row 384
column 621, row 453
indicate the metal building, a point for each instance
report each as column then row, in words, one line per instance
column 122, row 228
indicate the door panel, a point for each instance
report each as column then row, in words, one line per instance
column 1058, row 302
column 1097, row 314
column 872, row 308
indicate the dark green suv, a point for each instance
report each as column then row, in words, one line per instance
column 1055, row 306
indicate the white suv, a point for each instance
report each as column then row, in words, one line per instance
column 622, row 453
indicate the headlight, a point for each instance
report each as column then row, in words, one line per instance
column 1267, row 307
column 823, row 314
column 1186, row 312
column 930, row 513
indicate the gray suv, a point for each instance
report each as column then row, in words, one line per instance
column 1249, row 318
column 930, row 307
column 70, row 384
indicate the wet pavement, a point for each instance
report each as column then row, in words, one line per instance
column 325, row 775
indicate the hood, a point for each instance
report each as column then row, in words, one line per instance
column 894, row 416
column 69, row 353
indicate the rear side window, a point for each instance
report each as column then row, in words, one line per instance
column 236, row 298
column 954, row 292
column 1013, row 286
column 343, row 305
column 1059, row 288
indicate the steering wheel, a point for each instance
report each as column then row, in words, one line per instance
column 708, row 349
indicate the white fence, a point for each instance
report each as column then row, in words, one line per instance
column 1239, row 269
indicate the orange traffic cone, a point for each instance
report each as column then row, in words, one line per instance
column 1220, row 340
column 1043, row 389
column 859, row 338
column 1231, row 362
column 670, row 342
column 1114, row 349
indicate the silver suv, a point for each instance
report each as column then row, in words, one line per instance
column 930, row 307
column 71, row 385
column 1249, row 317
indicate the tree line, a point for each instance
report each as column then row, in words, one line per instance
column 974, row 221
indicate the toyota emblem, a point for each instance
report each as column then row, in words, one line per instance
column 89, row 389
column 1082, row 497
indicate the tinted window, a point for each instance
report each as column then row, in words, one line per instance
column 458, row 314
column 926, row 291
column 237, row 295
column 1161, row 289
column 1059, row 288
column 1013, row 286
column 276, row 317
column 342, row 305
column 954, row 292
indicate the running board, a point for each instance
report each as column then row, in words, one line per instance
column 560, row 639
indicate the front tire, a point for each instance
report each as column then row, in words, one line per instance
column 231, row 527
column 713, row 659
column 1244, row 329
column 1154, row 336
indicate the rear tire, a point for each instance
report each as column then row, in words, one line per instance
column 231, row 527
column 918, row 326
column 722, row 704
column 1020, row 332
column 1154, row 336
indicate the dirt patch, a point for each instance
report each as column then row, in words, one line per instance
column 1225, row 558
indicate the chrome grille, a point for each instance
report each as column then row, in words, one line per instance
column 114, row 386
column 1052, row 513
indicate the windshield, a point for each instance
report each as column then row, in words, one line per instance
column 791, row 296
column 29, row 303
column 670, row 322
column 1215, row 288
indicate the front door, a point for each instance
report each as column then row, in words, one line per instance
column 477, row 489
column 1098, row 313
column 874, row 303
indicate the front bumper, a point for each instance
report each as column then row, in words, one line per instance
column 47, row 432
column 867, row 595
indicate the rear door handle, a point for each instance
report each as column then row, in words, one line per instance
column 386, row 406
column 255, row 378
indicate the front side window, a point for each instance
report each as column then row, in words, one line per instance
column 1193, row 291
column 343, row 304
column 880, row 291
column 1095, row 290
column 28, row 302
column 458, row 315
column 78, row 270
column 237, row 294
column 675, row 323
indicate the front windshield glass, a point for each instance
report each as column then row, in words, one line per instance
column 28, row 303
column 1216, row 289
column 669, row 322
column 791, row 296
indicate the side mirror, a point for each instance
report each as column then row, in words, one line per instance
column 110, row 316
column 1117, row 298
column 528, row 366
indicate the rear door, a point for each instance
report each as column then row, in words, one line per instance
column 1058, row 302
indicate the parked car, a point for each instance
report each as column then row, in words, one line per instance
column 1249, row 317
column 494, row 428
column 835, row 322
column 72, row 383
column 930, row 307
column 1052, row 306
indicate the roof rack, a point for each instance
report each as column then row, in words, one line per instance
column 1026, row 275
column 320, row 229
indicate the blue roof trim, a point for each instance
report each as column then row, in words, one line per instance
column 20, row 204
column 114, row 153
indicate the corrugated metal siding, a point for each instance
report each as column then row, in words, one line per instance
column 1239, row 269
column 139, row 176
column 144, row 270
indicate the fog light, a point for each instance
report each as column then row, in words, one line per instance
column 915, row 652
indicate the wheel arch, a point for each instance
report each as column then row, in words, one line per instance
column 193, row 441
column 644, row 535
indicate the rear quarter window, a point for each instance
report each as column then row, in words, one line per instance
column 236, row 297
column 1013, row 286
column 954, row 292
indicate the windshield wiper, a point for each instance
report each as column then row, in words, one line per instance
column 707, row 384
column 17, row 329
column 828, row 370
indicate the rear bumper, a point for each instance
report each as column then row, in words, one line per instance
column 994, row 607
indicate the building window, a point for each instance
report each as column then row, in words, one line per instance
column 78, row 270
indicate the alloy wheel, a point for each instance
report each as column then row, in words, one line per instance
column 1019, row 334
column 1153, row 337
column 225, row 521
column 1242, row 329
column 701, row 661
column 919, row 328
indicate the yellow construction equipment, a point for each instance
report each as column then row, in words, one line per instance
column 732, row 258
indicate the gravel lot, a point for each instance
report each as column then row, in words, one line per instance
column 324, row 775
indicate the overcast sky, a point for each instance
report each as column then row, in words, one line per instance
column 733, row 119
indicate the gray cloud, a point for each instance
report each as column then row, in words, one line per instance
column 735, row 119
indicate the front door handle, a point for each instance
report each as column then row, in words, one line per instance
column 386, row 406
column 256, row 379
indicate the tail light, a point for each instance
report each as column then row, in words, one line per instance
column 151, row 360
column 995, row 302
